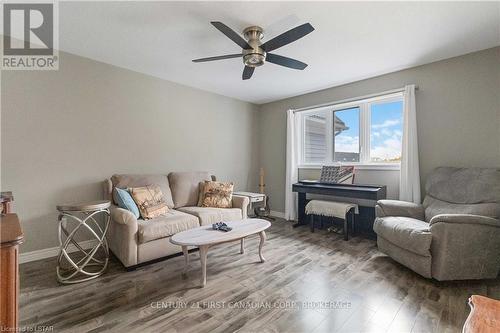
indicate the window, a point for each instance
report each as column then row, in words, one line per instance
column 315, row 137
column 386, row 131
column 362, row 132
column 346, row 135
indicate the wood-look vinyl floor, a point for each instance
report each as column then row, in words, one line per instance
column 311, row 282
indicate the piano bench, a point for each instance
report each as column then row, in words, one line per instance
column 341, row 210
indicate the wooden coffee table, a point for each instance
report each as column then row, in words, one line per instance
column 204, row 237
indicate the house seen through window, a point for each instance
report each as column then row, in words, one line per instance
column 361, row 132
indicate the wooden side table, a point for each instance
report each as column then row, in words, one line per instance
column 484, row 316
column 254, row 198
column 86, row 216
column 11, row 236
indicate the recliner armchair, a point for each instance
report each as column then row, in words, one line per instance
column 454, row 234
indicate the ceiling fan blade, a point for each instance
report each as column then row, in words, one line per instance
column 285, row 61
column 231, row 34
column 227, row 56
column 287, row 37
column 247, row 72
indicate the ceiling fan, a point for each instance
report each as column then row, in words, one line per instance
column 255, row 53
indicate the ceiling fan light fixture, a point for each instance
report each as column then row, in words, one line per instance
column 254, row 52
column 255, row 56
column 254, row 59
column 253, row 33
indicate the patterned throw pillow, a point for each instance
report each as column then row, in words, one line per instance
column 150, row 201
column 217, row 194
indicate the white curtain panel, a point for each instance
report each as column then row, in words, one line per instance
column 291, row 165
column 409, row 180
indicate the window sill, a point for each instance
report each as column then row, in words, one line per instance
column 379, row 167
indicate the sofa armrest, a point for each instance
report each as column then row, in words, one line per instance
column 399, row 208
column 122, row 235
column 123, row 216
column 107, row 190
column 465, row 219
column 242, row 203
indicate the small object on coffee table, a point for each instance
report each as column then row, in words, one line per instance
column 221, row 226
column 203, row 237
column 225, row 228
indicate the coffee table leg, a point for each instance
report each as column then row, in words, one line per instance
column 203, row 258
column 186, row 259
column 262, row 235
column 242, row 249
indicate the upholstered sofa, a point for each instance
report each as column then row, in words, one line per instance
column 454, row 234
column 137, row 241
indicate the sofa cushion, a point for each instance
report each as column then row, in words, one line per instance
column 185, row 187
column 124, row 200
column 150, row 201
column 209, row 215
column 128, row 180
column 405, row 232
column 217, row 195
column 165, row 226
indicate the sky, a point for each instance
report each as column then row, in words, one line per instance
column 386, row 130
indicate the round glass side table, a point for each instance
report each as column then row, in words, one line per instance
column 77, row 262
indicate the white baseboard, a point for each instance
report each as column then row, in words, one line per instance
column 52, row 252
column 277, row 214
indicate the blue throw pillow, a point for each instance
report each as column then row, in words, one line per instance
column 124, row 200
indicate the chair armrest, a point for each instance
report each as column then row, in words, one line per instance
column 399, row 208
column 465, row 219
column 123, row 216
column 242, row 203
column 464, row 247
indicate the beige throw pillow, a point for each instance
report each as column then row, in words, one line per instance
column 217, row 194
column 150, row 201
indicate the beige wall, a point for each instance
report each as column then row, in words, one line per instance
column 458, row 117
column 64, row 131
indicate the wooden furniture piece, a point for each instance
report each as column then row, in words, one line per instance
column 484, row 316
column 84, row 214
column 11, row 236
column 204, row 237
column 6, row 202
column 254, row 198
column 366, row 216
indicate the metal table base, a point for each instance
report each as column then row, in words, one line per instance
column 86, row 218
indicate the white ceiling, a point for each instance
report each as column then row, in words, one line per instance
column 352, row 41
